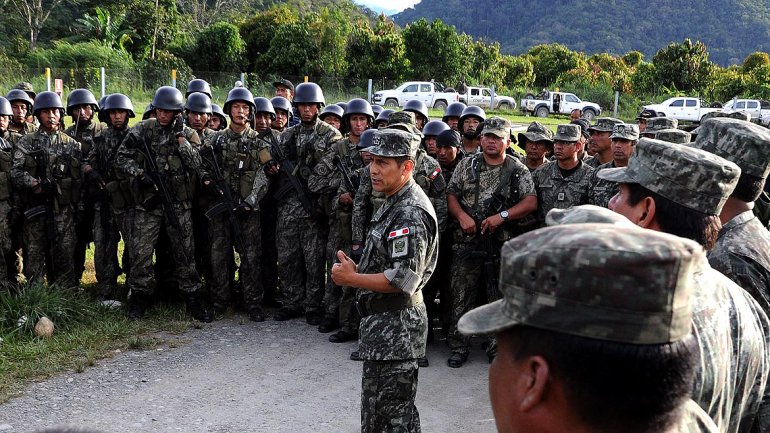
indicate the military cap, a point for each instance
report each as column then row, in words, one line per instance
column 740, row 115
column 625, row 131
column 498, row 127
column 284, row 82
column 655, row 124
column 584, row 127
column 26, row 87
column 604, row 124
column 448, row 138
column 394, row 142
column 586, row 213
column 603, row 281
column 404, row 120
column 536, row 132
column 693, row 178
column 673, row 136
column 744, row 143
column 567, row 132
column 646, row 114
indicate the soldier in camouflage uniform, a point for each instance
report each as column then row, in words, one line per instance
column 113, row 216
column 285, row 89
column 197, row 110
column 593, row 339
column 12, row 257
column 641, row 119
column 624, row 137
column 398, row 259
column 600, row 143
column 742, row 250
column 8, row 208
column 681, row 190
column 673, row 136
column 470, row 122
column 564, row 182
column 21, row 104
column 537, row 141
column 655, row 124
column 489, row 191
column 218, row 120
column 233, row 160
column 283, row 113
column 302, row 228
column 82, row 108
column 160, row 156
column 47, row 171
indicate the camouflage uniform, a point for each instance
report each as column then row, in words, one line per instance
column 673, row 136
column 301, row 238
column 600, row 190
column 240, row 158
column 402, row 243
column 13, row 256
column 268, row 214
column 6, row 205
column 60, row 157
column 177, row 164
column 655, row 124
column 556, row 191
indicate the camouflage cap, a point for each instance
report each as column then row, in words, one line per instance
column 693, row 178
column 740, row 115
column 605, row 124
column 497, row 126
column 625, row 131
column 586, row 213
column 655, row 124
column 744, row 143
column 536, row 131
column 567, row 132
column 26, row 87
column 584, row 127
column 603, row 281
column 646, row 114
column 394, row 142
column 673, row 136
column 404, row 120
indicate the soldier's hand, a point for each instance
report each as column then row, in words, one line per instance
column 467, row 224
column 211, row 186
column 490, row 224
column 343, row 271
column 243, row 210
column 95, row 178
column 272, row 167
column 36, row 187
column 356, row 251
column 178, row 128
column 346, row 199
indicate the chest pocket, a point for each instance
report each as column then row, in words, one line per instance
column 181, row 183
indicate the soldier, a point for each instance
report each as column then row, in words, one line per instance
column 283, row 113
column 431, row 130
column 680, row 190
column 197, row 112
column 285, row 89
column 302, row 229
column 655, row 124
column 624, row 138
column 30, row 91
column 218, row 120
column 47, row 171
column 641, row 119
column 571, row 345
column 9, row 213
column 470, row 121
column 420, row 111
column 21, row 105
column 452, row 115
column 585, row 138
column 575, row 114
column 332, row 114
column 376, row 109
column 742, row 249
column 538, row 143
column 159, row 155
column 113, row 216
column 149, row 112
column 489, row 190
column 564, row 182
column 600, row 143
column 234, row 161
column 673, row 136
column 382, row 119
column 398, row 260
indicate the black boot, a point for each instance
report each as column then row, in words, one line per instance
column 196, row 310
column 137, row 305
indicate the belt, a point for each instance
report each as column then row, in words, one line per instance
column 384, row 305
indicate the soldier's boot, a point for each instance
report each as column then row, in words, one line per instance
column 328, row 324
column 343, row 336
column 287, row 313
column 137, row 305
column 423, row 362
column 457, row 359
column 255, row 313
column 196, row 309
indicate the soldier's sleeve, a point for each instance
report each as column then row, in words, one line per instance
column 191, row 157
column 455, row 186
column 20, row 177
column 526, row 183
column 258, row 189
column 124, row 157
column 408, row 242
column 360, row 207
column 324, row 178
column 438, row 193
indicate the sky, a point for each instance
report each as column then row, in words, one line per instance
column 388, row 6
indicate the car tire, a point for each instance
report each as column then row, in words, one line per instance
column 541, row 111
column 504, row 106
column 529, row 96
column 589, row 115
column 391, row 103
column 440, row 105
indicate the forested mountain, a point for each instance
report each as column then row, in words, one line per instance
column 731, row 29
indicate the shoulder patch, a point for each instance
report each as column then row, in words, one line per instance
column 399, row 233
column 435, row 173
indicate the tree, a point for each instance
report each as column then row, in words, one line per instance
column 518, row 71
column 552, row 60
column 378, row 53
column 755, row 60
column 205, row 12
column 486, row 64
column 102, row 27
column 633, row 58
column 35, row 13
column 434, row 51
column 684, row 66
column 329, row 29
column 259, row 30
column 219, row 47
column 292, row 50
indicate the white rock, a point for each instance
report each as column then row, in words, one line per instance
column 44, row 327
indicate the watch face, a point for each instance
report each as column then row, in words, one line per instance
column 504, row 214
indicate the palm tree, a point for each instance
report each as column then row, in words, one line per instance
column 102, row 27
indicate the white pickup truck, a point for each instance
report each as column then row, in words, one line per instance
column 548, row 102
column 681, row 108
column 482, row 97
column 759, row 109
column 428, row 92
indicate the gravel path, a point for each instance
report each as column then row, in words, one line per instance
column 237, row 376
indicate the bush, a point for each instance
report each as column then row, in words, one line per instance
column 219, row 47
column 83, row 60
column 158, row 72
column 19, row 312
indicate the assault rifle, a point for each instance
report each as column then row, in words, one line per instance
column 288, row 169
column 44, row 202
column 350, row 184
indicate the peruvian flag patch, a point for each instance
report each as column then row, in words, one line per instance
column 398, row 233
column 435, row 173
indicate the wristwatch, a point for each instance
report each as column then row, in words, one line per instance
column 504, row 215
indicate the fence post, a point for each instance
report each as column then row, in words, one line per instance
column 243, row 78
column 173, row 78
column 104, row 83
column 306, row 79
column 491, row 97
column 615, row 109
column 48, row 79
column 369, row 91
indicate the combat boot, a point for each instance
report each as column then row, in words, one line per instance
column 196, row 310
column 137, row 305
column 328, row 324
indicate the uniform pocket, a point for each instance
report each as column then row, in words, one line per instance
column 246, row 183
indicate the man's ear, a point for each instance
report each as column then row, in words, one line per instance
column 408, row 166
column 534, row 383
column 647, row 216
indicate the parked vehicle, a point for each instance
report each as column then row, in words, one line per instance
column 430, row 93
column 484, row 96
column 682, row 108
column 759, row 109
column 548, row 102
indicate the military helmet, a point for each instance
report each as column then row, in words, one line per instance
column 358, row 106
column 455, row 109
column 281, row 103
column 46, row 100
column 198, row 85
column 79, row 97
column 366, row 140
column 216, row 110
column 434, row 127
column 20, row 95
column 147, row 111
column 118, row 101
column 101, row 114
column 239, row 94
column 5, row 107
column 264, row 106
column 376, row 109
column 198, row 102
column 418, row 108
column 342, row 104
column 473, row 111
column 309, row 93
column 333, row 109
column 384, row 115
column 168, row 98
